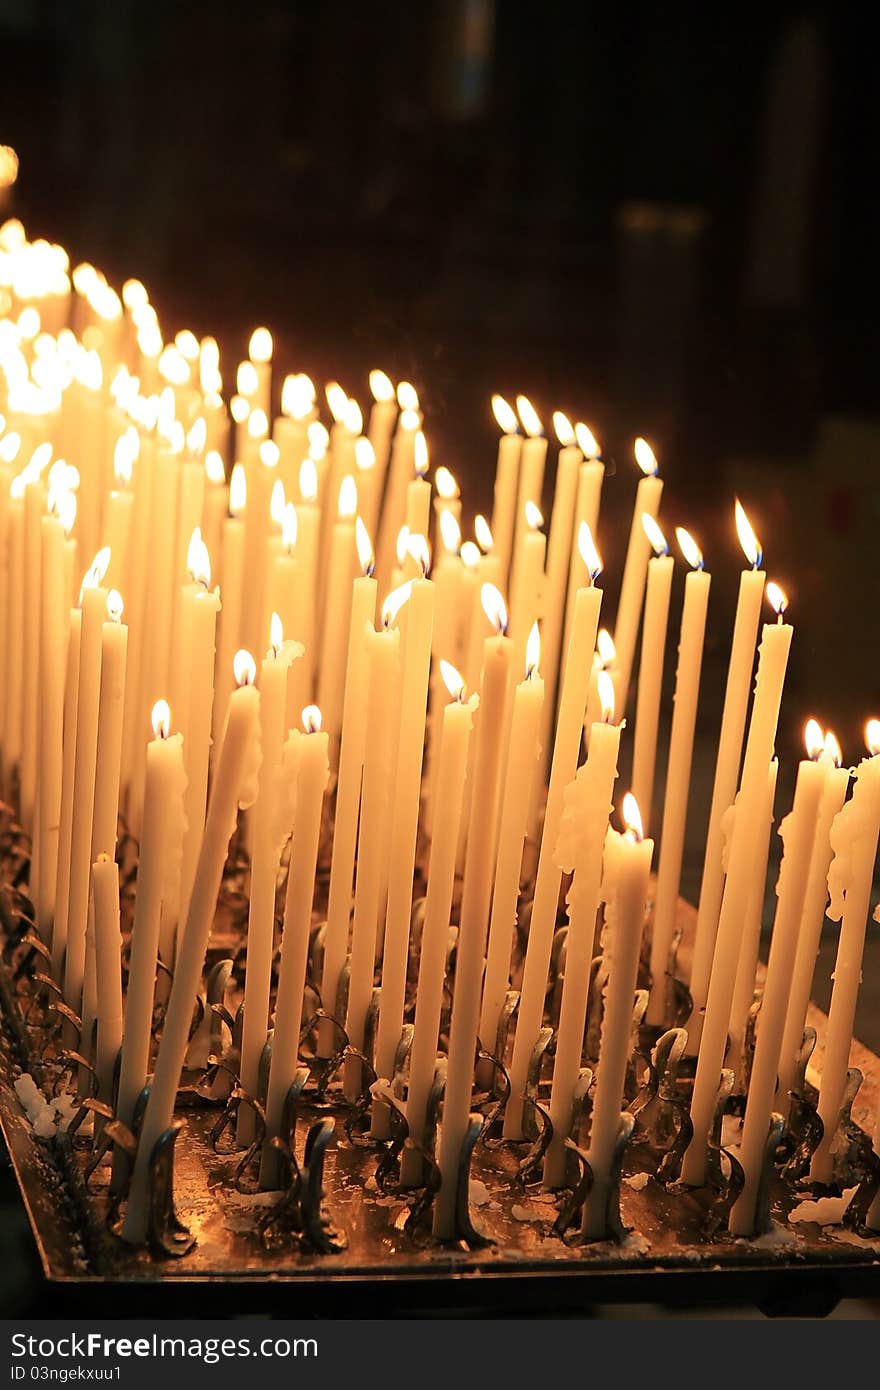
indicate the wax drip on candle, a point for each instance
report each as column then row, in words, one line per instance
column 587, row 441
column 588, row 552
column 645, row 457
column 381, row 386
column 505, row 415
column 844, row 832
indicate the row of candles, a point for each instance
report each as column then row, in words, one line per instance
column 400, row 687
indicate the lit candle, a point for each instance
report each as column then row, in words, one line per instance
column 34, row 503
column 214, row 502
column 261, row 463
column 404, row 824
column 260, row 354
column 54, row 624
column 750, row 803
column 629, row 609
column 367, row 482
column 506, row 485
column 566, row 750
column 531, row 475
column 474, row 916
column 232, row 570
column 854, row 835
column 678, row 770
column 290, row 430
column 308, row 752
column 559, row 555
column 815, row 903
column 733, row 722
column 108, row 969
column 233, row 785
column 68, row 767
column 625, row 888
column 452, row 761
column 301, row 685
column 580, row 849
column 383, row 415
column 401, row 469
column 798, row 831
column 650, row 687
column 341, row 574
column 446, row 503
column 119, row 511
column 516, row 800
column 418, row 501
column 527, row 588
column 750, row 932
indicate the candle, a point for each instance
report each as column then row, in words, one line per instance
column 120, row 508
column 309, row 754
column 260, row 355
column 290, row 430
column 68, row 767
column 301, row 685
column 93, row 599
column 772, row 663
column 530, row 485
column 366, row 479
column 404, row 827
column 394, row 507
column 268, row 842
column 627, row 865
column 341, row 573
column 446, row 503
column 213, row 501
column 750, row 943
column 383, row 414
column 815, row 902
column 854, row 835
column 566, row 750
column 348, row 787
column 474, row 916
column 452, row 760
column 506, row 484
column 798, row 832
column 233, row 786
column 382, row 668
column 417, row 518
column 629, row 608
column 232, row 570
column 157, row 891
column 54, row 623
column 516, row 800
column 678, row 771
column 733, row 721
column 526, row 595
column 34, row 502
column 657, row 595
column 108, row 968
column 580, row 847
column 559, row 553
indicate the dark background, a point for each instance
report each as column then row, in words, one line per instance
column 660, row 219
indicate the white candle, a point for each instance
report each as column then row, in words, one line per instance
column 678, row 771
column 452, row 765
column 566, row 750
column 108, row 968
column 301, row 686
column 394, row 507
column 650, row 687
column 627, row 865
column 260, row 355
column 232, row 570
column 733, row 722
column 527, row 590
column 341, row 574
column 474, row 916
column 854, row 835
column 798, row 832
column 772, row 663
column 34, row 502
column 506, row 485
column 750, row 932
column 383, row 415
column 579, row 849
column 629, row 608
column 233, row 785
column 54, row 623
column 309, row 753
column 559, row 554
column 530, row 485
column 68, row 768
column 214, row 502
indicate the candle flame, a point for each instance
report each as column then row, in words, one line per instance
column 277, row 503
column 605, row 648
column 452, row 679
column 9, row 447
column 450, row 533
column 407, row 396
column 534, row 518
column 689, row 548
column 533, row 651
column 777, row 598
column 257, row 424
column 832, row 749
column 352, row 417
column 239, row 409
column 872, row 736
column 260, row 345
column 588, row 552
column 289, row 527
column 246, row 379
column 419, row 550
column 394, row 602
column 173, row 366
column 654, row 534
column 364, row 454
column 214, row 470
column 420, row 454
column 814, row 739
column 381, row 385
column 114, row 606
column 747, row 538
column 409, row 421
column 531, row 421
column 98, row 568
column 348, row 498
column 237, row 490
column 198, row 436
column 308, row 480
column 269, row 454
column 505, row 415
column 494, row 607
column 319, row 439
column 563, row 428
column 198, row 561
column 366, row 558
column 187, row 344
column 66, row 509
column 483, row 533
column 161, row 719
column 605, row 691
column 447, row 487
column 149, row 339
column 587, row 441
column 134, row 294
column 645, row 457
column 470, row 555
column 297, row 396
column 276, row 633
column 402, row 545
column 244, row 668
column 337, row 400
column 124, row 454
column 632, row 817
column 311, row 718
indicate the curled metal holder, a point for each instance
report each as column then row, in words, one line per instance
column 300, row 1209
column 596, row 1202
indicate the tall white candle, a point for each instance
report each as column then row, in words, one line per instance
column 530, row 485
column 341, row 574
column 232, row 570
column 750, row 932
column 54, row 623
column 108, row 968
column 650, row 687
column 506, row 485
column 383, row 415
column 629, row 608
